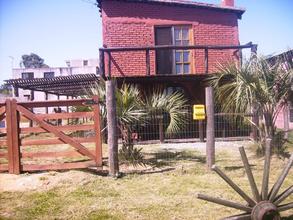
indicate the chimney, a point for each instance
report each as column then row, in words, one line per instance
column 229, row 3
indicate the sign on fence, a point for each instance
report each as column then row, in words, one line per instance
column 199, row 112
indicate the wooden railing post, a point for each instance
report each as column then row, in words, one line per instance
column 148, row 67
column 206, row 60
column 102, row 63
column 210, row 145
column 112, row 128
column 13, row 142
column 98, row 140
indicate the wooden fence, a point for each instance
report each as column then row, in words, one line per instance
column 22, row 147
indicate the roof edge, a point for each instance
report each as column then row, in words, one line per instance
column 186, row 3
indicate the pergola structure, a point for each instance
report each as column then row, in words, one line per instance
column 73, row 85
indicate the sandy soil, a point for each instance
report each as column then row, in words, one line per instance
column 47, row 180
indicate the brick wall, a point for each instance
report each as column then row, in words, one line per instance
column 132, row 24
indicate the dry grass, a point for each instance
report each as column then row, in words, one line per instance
column 163, row 195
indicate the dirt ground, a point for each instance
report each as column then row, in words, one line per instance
column 43, row 181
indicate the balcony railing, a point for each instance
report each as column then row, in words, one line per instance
column 147, row 49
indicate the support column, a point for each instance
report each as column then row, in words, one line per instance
column 112, row 128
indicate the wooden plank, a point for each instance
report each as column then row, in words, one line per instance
column 3, row 167
column 65, row 115
column 52, row 154
column 2, row 111
column 160, row 47
column 50, row 141
column 3, row 143
column 4, row 155
column 60, row 166
column 12, row 120
column 50, row 128
column 97, row 128
column 59, row 128
column 53, row 103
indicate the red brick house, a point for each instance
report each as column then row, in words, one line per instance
column 198, row 35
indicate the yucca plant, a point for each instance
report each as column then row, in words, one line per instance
column 256, row 84
column 133, row 107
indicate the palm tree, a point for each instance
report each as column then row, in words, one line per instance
column 256, row 84
column 133, row 105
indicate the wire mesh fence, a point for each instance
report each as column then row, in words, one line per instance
column 156, row 127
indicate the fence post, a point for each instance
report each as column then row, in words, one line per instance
column 200, row 130
column 161, row 129
column 13, row 141
column 210, row 144
column 255, row 120
column 98, row 140
column 286, row 120
column 112, row 128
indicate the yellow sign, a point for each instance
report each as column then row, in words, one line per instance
column 199, row 112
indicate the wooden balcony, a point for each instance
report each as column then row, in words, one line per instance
column 148, row 54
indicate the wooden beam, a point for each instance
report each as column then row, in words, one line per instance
column 59, row 128
column 173, row 47
column 52, row 103
column 112, row 128
column 97, row 128
column 13, row 141
column 53, row 141
column 206, row 60
column 148, row 66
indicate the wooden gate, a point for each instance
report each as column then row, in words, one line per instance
column 21, row 145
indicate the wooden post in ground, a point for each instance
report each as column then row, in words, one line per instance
column 112, row 128
column 210, row 144
column 255, row 120
column 200, row 130
column 286, row 120
column 161, row 129
column 13, row 142
column 97, row 124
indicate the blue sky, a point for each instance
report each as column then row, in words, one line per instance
column 58, row 30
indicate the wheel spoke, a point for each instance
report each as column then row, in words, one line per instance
column 281, row 179
column 283, row 195
column 234, row 186
column 225, row 202
column 249, row 174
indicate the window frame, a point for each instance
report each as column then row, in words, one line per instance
column 29, row 74
column 45, row 73
column 191, row 42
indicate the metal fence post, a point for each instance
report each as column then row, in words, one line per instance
column 210, row 144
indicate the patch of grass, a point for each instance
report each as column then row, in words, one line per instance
column 42, row 203
column 163, row 195
column 102, row 215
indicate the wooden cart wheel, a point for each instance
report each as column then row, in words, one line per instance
column 265, row 205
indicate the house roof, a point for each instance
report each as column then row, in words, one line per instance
column 187, row 3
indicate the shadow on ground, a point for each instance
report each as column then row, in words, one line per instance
column 167, row 158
